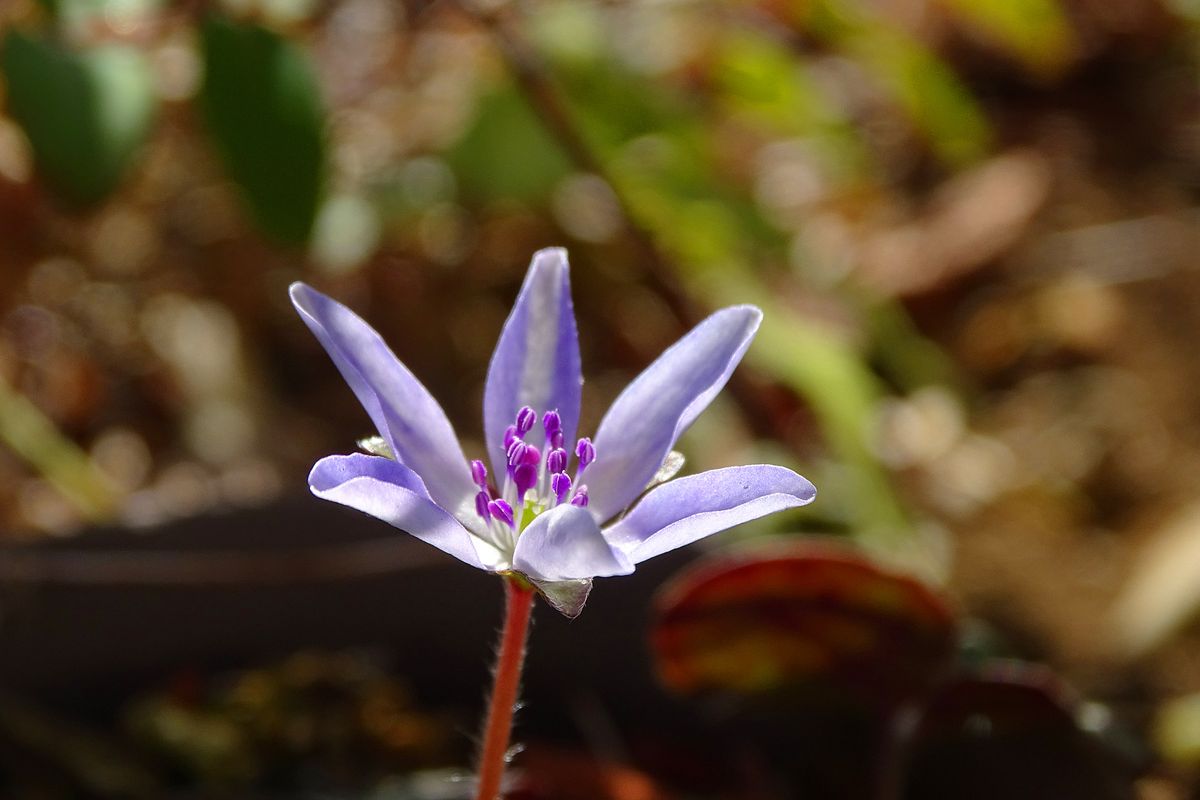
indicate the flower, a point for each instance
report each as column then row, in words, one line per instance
column 532, row 514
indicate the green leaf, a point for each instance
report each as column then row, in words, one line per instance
column 264, row 110
column 507, row 152
column 86, row 113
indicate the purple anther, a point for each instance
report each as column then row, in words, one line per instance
column 585, row 451
column 510, row 434
column 580, row 499
column 556, row 461
column 532, row 456
column 556, row 439
column 479, row 474
column 525, row 419
column 481, row 506
column 560, row 484
column 524, row 476
column 551, row 423
column 502, row 511
column 516, row 452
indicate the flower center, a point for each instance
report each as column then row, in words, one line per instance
column 532, row 483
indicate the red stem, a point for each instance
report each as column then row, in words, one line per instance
column 498, row 727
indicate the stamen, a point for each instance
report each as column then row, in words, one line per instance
column 560, row 484
column 479, row 474
column 516, row 453
column 585, row 451
column 525, row 419
column 524, row 476
column 502, row 511
column 481, row 506
column 552, row 423
column 548, row 480
column 581, row 497
column 531, row 456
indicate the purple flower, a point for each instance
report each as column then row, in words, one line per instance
column 536, row 518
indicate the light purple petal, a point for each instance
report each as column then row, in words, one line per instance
column 684, row 510
column 536, row 361
column 645, row 420
column 565, row 544
column 392, row 492
column 403, row 410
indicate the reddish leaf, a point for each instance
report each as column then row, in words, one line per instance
column 1001, row 697
column 807, row 618
column 1011, row 730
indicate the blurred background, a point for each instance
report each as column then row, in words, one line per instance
column 973, row 226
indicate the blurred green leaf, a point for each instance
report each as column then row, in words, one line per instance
column 507, row 152
column 31, row 435
column 264, row 110
column 928, row 89
column 843, row 393
column 759, row 77
column 85, row 113
column 766, row 83
column 1035, row 31
column 905, row 355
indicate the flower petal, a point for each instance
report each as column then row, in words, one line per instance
column 403, row 410
column 566, row 544
column 536, row 361
column 643, row 423
column 392, row 492
column 687, row 509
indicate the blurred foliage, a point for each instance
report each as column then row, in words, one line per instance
column 86, row 112
column 261, row 102
column 1176, row 731
column 311, row 712
column 507, row 152
column 1036, row 31
column 26, row 431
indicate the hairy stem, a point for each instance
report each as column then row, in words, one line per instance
column 509, row 658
